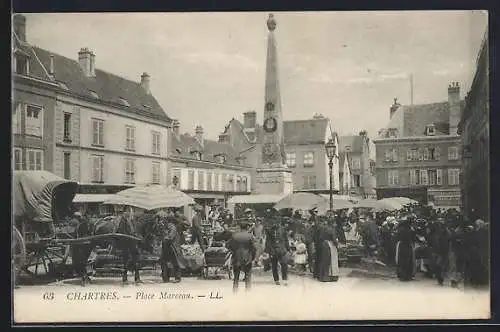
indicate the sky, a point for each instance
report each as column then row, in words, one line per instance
column 207, row 68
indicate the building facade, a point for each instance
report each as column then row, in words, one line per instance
column 104, row 131
column 305, row 153
column 209, row 171
column 356, row 148
column 474, row 130
column 418, row 153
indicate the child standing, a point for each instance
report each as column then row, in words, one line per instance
column 300, row 258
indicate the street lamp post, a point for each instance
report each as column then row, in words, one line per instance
column 330, row 153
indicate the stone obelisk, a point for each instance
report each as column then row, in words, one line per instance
column 273, row 176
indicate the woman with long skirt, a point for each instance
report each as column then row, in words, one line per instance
column 329, row 260
column 405, row 250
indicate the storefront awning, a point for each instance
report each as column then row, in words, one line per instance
column 91, row 198
column 255, row 199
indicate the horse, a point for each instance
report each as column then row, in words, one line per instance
column 143, row 227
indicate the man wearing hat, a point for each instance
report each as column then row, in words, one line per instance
column 243, row 252
column 277, row 246
column 439, row 245
column 81, row 251
column 196, row 233
column 171, row 249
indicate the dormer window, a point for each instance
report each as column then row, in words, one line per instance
column 22, row 64
column 124, row 102
column 221, row 159
column 147, row 106
column 94, row 94
column 430, row 130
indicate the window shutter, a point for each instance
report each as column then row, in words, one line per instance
column 437, row 153
column 439, row 176
column 408, row 154
column 413, row 176
column 387, row 155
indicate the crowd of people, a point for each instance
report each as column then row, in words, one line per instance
column 441, row 244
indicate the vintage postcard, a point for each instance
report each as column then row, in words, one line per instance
column 187, row 167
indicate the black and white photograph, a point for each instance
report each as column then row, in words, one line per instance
column 250, row 166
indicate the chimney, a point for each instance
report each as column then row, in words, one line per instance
column 249, row 119
column 394, row 107
column 199, row 134
column 19, row 22
column 51, row 66
column 176, row 127
column 86, row 59
column 145, row 82
column 454, row 107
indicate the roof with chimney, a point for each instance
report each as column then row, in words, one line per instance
column 185, row 146
column 104, row 87
column 412, row 120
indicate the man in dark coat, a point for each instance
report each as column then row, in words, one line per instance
column 171, row 252
column 440, row 245
column 196, row 233
column 243, row 251
column 80, row 252
column 315, row 232
column 277, row 246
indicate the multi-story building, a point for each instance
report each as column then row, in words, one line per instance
column 304, row 149
column 357, row 150
column 474, row 130
column 91, row 126
column 346, row 180
column 418, row 152
column 209, row 171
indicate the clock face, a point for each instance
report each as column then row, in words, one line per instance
column 269, row 106
column 270, row 125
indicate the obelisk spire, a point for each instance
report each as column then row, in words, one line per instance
column 273, row 149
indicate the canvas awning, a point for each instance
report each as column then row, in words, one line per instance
column 151, row 197
column 255, row 199
column 91, row 198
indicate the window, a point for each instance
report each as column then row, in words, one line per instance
column 34, row 160
column 290, row 159
column 209, row 181
column 22, row 65
column 309, row 159
column 97, row 169
column 18, row 159
column 356, row 163
column 432, row 174
column 429, row 130
column 97, row 132
column 310, row 182
column 413, row 177
column 437, row 153
column 67, row 127
column 222, row 158
column 67, row 165
column 391, row 155
column 426, row 154
column 129, row 170
column 424, row 180
column 34, row 120
column 191, row 179
column 412, row 154
column 452, row 153
column 357, row 180
column 439, row 177
column 201, row 180
column 155, row 173
column 217, row 182
column 156, row 142
column 393, row 177
column 130, row 139
column 434, row 153
column 453, row 176
column 16, row 118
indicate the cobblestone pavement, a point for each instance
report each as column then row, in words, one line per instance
column 213, row 300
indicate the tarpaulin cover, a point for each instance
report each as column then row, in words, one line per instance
column 151, row 197
column 35, row 194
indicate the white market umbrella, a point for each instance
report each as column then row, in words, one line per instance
column 151, row 197
column 300, row 201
